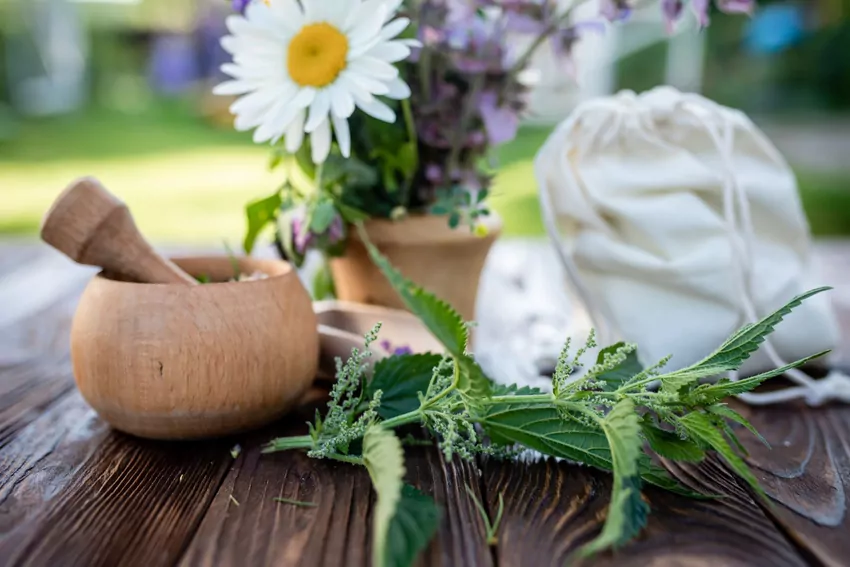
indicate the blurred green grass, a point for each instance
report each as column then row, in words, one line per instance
column 187, row 181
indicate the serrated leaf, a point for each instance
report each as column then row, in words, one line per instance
column 514, row 390
column 627, row 512
column 710, row 393
column 616, row 377
column 671, row 446
column 702, row 429
column 400, row 378
column 259, row 214
column 659, row 477
column 543, row 428
column 384, row 459
column 725, row 411
column 438, row 316
column 415, row 522
column 472, row 384
column 734, row 351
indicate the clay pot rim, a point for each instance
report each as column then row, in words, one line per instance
column 425, row 229
column 274, row 269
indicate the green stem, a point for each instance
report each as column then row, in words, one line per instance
column 414, row 416
column 288, row 443
column 414, row 140
column 346, row 459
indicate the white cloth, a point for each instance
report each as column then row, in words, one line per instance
column 678, row 222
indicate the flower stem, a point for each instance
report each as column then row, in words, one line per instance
column 288, row 443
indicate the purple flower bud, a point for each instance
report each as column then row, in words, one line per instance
column 240, row 5
column 672, row 10
column 700, row 8
column 501, row 123
column 434, row 173
column 614, row 10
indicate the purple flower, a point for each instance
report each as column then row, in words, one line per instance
column 615, row 10
column 700, row 8
column 240, row 5
column 500, row 122
column 564, row 40
column 736, row 6
column 672, row 10
column 387, row 346
column 303, row 238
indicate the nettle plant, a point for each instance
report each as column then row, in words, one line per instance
column 605, row 418
column 383, row 108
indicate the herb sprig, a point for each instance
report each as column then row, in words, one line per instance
column 602, row 418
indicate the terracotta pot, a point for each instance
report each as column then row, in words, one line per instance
column 444, row 261
column 179, row 362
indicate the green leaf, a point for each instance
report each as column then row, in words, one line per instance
column 401, row 378
column 437, row 315
column 703, row 430
column 671, row 446
column 384, row 459
column 627, row 512
column 323, row 215
column 725, row 411
column 629, row 368
column 408, row 159
column 415, row 522
column 351, row 214
column 472, row 384
column 323, row 283
column 514, row 390
column 659, row 477
column 710, row 393
column 259, row 215
column 734, row 351
column 543, row 428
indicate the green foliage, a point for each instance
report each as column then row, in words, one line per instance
column 384, row 459
column 734, row 351
column 401, row 379
column 491, row 527
column 438, row 316
column 260, row 214
column 415, row 522
column 604, row 418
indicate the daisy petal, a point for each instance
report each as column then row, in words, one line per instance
column 318, row 110
column 352, row 86
column 295, row 132
column 343, row 135
column 374, row 68
column 342, row 104
column 368, row 22
column 394, row 28
column 288, row 14
column 411, row 42
column 320, row 140
column 390, row 51
column 398, row 89
column 377, row 109
column 233, row 88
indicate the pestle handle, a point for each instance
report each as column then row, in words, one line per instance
column 92, row 226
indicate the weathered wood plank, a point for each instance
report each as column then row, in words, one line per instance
column 552, row 508
column 807, row 472
column 246, row 526
column 134, row 502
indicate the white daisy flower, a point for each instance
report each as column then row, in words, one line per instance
column 304, row 67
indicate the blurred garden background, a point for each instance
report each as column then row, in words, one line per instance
column 119, row 89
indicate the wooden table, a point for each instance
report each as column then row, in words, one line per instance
column 73, row 492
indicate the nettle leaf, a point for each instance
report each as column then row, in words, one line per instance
column 384, row 459
column 616, row 377
column 259, row 215
column 702, row 429
column 725, row 411
column 473, row 384
column 438, row 316
column 415, row 522
column 401, row 378
column 734, row 351
column 514, row 390
column 627, row 512
column 670, row 446
column 710, row 393
column 543, row 428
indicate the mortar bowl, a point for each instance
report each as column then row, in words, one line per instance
column 172, row 361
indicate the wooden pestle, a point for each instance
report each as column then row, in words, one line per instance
column 92, row 226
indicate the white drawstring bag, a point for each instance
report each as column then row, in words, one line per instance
column 677, row 222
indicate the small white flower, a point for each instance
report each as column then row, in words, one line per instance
column 303, row 68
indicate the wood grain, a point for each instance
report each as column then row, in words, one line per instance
column 807, row 472
column 245, row 526
column 134, row 502
column 552, row 508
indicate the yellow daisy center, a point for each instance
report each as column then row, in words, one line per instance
column 317, row 55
